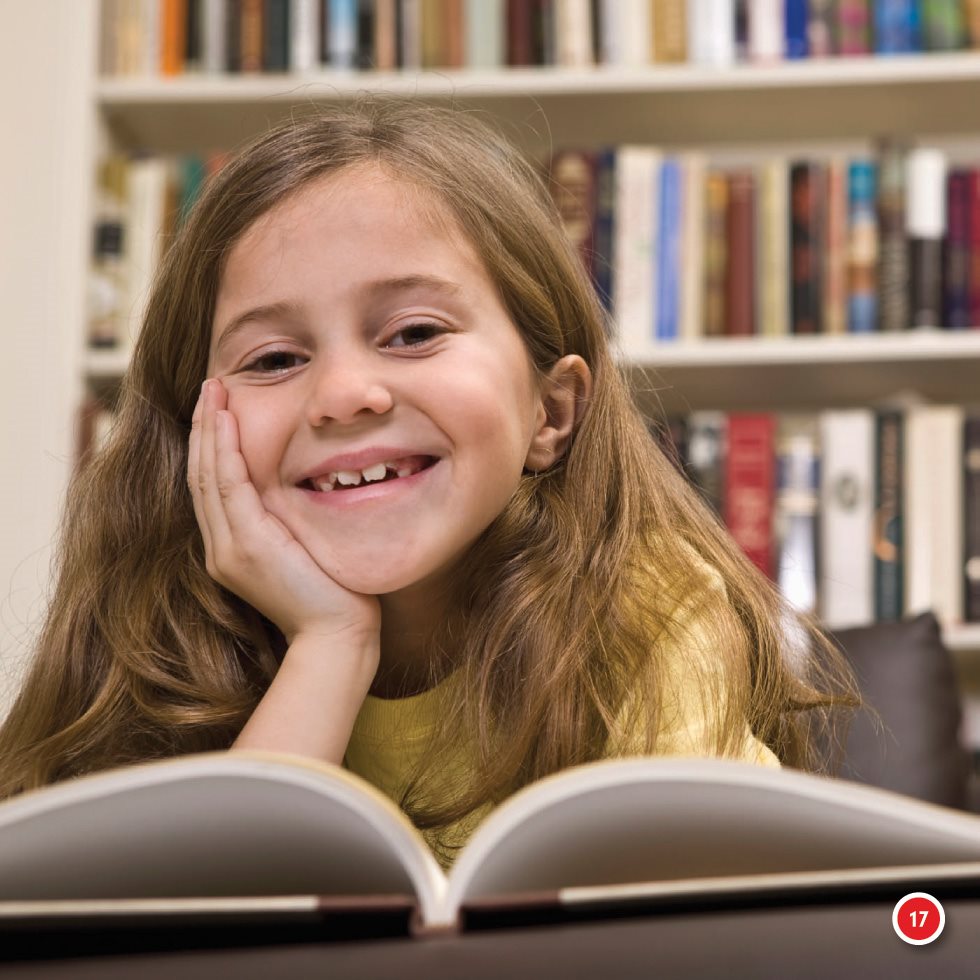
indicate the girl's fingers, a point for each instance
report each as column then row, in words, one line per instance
column 194, row 470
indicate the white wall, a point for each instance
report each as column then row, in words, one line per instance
column 47, row 48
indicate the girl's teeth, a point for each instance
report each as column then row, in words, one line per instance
column 375, row 473
column 348, row 478
column 371, row 474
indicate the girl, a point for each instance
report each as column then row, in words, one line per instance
column 412, row 521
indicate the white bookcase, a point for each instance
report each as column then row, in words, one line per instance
column 835, row 104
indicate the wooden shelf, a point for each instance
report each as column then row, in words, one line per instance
column 834, row 98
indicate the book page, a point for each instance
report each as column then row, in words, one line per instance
column 222, row 824
column 646, row 820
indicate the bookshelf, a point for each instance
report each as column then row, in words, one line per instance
column 833, row 105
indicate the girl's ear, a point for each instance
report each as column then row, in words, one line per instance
column 565, row 392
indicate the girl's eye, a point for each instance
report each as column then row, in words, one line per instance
column 274, row 362
column 415, row 334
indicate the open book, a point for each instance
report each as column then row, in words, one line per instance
column 252, row 835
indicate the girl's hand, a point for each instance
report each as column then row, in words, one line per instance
column 250, row 551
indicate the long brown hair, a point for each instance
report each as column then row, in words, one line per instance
column 561, row 606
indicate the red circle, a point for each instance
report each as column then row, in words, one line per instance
column 919, row 917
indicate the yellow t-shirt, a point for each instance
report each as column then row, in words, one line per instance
column 391, row 735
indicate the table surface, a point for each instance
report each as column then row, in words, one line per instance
column 810, row 941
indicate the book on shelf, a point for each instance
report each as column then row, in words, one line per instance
column 971, row 518
column 750, row 484
column 174, row 37
column 225, row 836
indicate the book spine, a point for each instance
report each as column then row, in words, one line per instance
column 956, row 278
column 893, row 264
column 820, row 28
column 304, row 33
column 668, row 252
column 707, row 434
column 343, row 34
column 795, row 12
column 107, row 277
column 836, row 242
column 749, row 486
column 213, row 57
column 862, row 291
column 454, row 39
column 433, row 30
column 636, row 25
column 766, row 30
column 637, row 173
column 971, row 15
column 604, row 255
column 889, row 535
column 773, row 243
column 971, row 514
column 573, row 33
column 711, row 33
column 233, row 36
column 805, row 247
column 544, row 33
column 519, row 33
column 847, row 440
column 411, row 34
column 193, row 37
column 715, row 254
column 853, row 27
column 796, row 511
column 896, row 27
column 693, row 168
column 943, row 25
column 742, row 21
column 670, row 31
column 740, row 273
column 252, row 29
column 385, row 35
column 925, row 226
column 572, row 185
column 275, row 36
column 974, row 225
column 173, row 36
column 484, row 22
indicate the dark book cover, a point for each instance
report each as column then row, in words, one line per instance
column 193, row 48
column 971, row 506
column 805, row 246
column 974, row 223
column 544, row 37
column 364, row 59
column 233, row 35
column 862, row 266
column 893, row 259
column 275, row 39
column 715, row 253
column 889, row 538
column 750, row 485
column 604, row 233
column 740, row 248
column 956, row 263
column 520, row 34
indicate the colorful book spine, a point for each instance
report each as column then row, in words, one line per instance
column 715, row 253
column 670, row 31
column 943, row 25
column 668, row 252
column 862, row 291
column 572, row 185
column 520, row 45
column 805, row 247
column 889, row 536
column 974, row 224
column 971, row 15
column 820, row 28
column 750, row 486
column 956, row 271
column 836, row 249
column 252, row 31
column 893, row 263
column 740, row 273
column 853, row 27
column 847, row 448
column 796, row 503
column 971, row 511
column 173, row 37
column 794, row 26
column 925, row 228
column 897, row 27
column 343, row 34
column 773, row 248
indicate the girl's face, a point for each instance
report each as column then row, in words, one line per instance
column 358, row 341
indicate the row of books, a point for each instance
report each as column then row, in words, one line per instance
column 860, row 515
column 678, row 248
column 172, row 37
column 681, row 247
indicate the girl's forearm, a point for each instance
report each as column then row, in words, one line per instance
column 311, row 705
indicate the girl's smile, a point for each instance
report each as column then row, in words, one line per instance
column 386, row 403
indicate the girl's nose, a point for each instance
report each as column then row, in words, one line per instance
column 345, row 389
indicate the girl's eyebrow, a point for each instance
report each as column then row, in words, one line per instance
column 284, row 310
